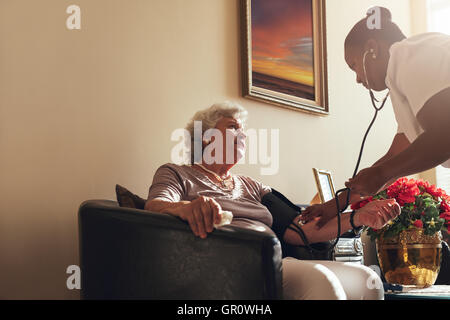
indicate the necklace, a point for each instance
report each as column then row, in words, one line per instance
column 226, row 182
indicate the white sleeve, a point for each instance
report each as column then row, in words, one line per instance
column 422, row 73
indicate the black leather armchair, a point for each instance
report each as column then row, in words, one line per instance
column 135, row 254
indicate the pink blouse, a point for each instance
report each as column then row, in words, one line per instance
column 174, row 183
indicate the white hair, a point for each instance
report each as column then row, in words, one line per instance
column 209, row 118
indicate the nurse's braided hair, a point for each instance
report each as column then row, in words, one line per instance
column 388, row 30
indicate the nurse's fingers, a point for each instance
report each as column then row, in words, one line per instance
column 311, row 212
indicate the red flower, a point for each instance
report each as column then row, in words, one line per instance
column 405, row 198
column 404, row 191
column 423, row 185
column 418, row 224
column 434, row 191
column 446, row 216
column 444, row 206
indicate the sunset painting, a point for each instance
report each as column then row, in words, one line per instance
column 281, row 56
column 282, row 46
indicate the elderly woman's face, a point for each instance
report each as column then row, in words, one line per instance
column 232, row 131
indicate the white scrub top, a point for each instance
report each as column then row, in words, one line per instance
column 419, row 68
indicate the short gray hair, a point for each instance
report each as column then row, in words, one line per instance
column 209, row 118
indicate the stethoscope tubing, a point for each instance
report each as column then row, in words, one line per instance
column 339, row 210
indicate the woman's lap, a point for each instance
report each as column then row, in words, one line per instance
column 328, row 280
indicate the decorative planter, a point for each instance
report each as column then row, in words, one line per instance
column 411, row 258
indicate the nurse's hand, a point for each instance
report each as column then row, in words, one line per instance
column 368, row 182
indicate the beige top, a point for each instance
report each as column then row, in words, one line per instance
column 176, row 183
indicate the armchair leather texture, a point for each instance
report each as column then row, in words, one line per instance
column 128, row 253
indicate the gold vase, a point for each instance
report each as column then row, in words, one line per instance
column 410, row 258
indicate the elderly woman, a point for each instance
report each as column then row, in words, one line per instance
column 198, row 193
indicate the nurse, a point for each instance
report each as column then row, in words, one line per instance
column 416, row 71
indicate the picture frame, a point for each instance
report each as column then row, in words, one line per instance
column 325, row 185
column 284, row 54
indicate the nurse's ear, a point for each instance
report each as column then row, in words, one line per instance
column 373, row 48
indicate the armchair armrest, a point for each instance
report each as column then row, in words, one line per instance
column 135, row 254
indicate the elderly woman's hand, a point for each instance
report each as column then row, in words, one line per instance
column 201, row 214
column 377, row 214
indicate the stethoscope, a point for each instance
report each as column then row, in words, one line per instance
column 336, row 196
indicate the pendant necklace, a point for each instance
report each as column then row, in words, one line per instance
column 226, row 183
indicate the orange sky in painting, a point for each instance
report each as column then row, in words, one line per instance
column 282, row 43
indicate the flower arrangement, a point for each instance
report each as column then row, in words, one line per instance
column 423, row 207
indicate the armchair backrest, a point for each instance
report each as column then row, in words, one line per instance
column 135, row 254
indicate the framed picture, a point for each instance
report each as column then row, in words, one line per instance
column 284, row 53
column 325, row 185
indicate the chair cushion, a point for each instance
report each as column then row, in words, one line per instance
column 127, row 199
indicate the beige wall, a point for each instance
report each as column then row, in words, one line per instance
column 83, row 110
column 419, row 17
column 419, row 24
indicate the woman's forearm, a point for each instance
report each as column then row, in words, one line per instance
column 162, row 206
column 375, row 214
column 327, row 232
column 343, row 199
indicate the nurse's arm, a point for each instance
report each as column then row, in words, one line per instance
column 431, row 148
column 399, row 144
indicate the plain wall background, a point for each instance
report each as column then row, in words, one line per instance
column 83, row 110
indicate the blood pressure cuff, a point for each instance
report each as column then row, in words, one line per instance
column 283, row 211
